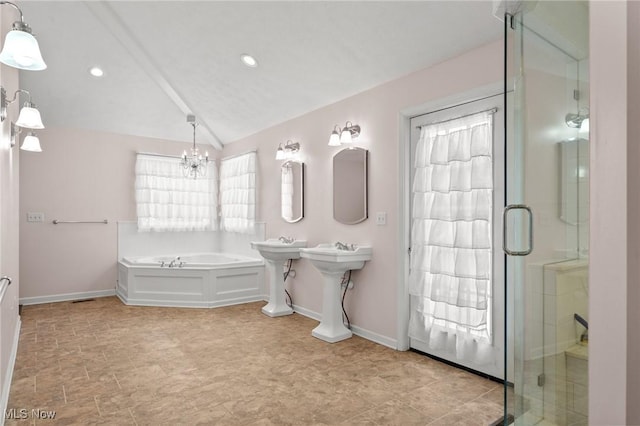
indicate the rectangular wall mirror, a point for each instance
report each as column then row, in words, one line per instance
column 292, row 191
column 350, row 186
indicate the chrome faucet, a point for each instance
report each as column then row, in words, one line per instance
column 174, row 262
column 347, row 247
column 286, row 240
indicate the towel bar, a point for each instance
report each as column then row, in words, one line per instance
column 56, row 221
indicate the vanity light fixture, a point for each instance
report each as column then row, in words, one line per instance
column 288, row 151
column 334, row 139
column 194, row 165
column 29, row 116
column 345, row 136
column 21, row 48
column 575, row 120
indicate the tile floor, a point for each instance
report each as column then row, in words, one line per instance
column 102, row 362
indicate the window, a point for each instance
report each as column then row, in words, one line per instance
column 238, row 193
column 167, row 201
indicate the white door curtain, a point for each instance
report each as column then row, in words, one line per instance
column 450, row 274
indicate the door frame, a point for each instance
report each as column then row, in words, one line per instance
column 404, row 199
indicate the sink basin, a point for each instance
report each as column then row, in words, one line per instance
column 274, row 249
column 332, row 264
column 328, row 258
column 275, row 252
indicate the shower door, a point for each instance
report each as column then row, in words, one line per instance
column 546, row 222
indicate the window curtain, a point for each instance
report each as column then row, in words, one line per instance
column 286, row 192
column 238, row 193
column 168, row 201
column 451, row 237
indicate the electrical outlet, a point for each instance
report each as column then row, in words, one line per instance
column 35, row 217
column 381, row 218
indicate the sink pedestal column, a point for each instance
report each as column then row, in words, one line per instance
column 331, row 328
column 277, row 305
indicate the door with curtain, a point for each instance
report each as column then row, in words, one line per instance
column 456, row 272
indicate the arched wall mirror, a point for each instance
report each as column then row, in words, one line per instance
column 350, row 186
column 292, row 191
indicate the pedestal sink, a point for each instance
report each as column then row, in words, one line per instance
column 332, row 264
column 276, row 252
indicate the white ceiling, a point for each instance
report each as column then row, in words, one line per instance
column 163, row 59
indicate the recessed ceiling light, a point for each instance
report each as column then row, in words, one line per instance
column 249, row 60
column 96, row 71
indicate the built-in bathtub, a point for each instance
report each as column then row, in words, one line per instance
column 198, row 280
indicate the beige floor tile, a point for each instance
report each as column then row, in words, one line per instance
column 102, row 363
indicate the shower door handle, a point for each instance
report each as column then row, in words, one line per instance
column 505, row 214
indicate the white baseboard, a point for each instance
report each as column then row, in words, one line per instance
column 375, row 337
column 6, row 385
column 307, row 313
column 358, row 331
column 66, row 297
column 186, row 303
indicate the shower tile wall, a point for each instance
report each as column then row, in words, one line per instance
column 565, row 357
column 555, row 360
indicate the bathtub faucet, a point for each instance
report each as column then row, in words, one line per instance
column 286, row 240
column 174, row 262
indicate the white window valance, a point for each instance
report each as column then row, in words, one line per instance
column 168, row 201
column 238, row 193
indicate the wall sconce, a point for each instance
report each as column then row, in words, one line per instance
column 30, row 142
column 21, row 48
column 345, row 136
column 288, row 151
column 29, row 116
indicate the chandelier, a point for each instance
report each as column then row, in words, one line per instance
column 194, row 165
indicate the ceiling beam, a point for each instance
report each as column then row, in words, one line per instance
column 110, row 19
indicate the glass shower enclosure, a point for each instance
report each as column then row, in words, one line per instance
column 546, row 220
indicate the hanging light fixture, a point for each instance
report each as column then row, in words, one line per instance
column 194, row 165
column 31, row 143
column 29, row 115
column 21, row 48
column 280, row 152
